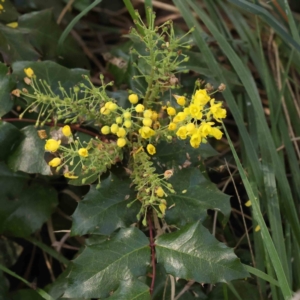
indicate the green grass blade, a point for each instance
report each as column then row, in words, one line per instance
column 75, row 20
column 261, row 275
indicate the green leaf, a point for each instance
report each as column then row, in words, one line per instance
column 104, row 210
column 4, row 287
column 27, row 294
column 49, row 71
column 10, row 137
column 9, row 13
column 23, row 208
column 44, row 34
column 101, row 268
column 192, row 253
column 194, row 196
column 15, row 46
column 179, row 151
column 131, row 290
column 6, row 86
column 28, row 156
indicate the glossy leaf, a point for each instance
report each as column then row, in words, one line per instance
column 194, row 196
column 23, row 208
column 28, row 156
column 192, row 253
column 101, row 268
column 104, row 210
column 6, row 86
column 10, row 137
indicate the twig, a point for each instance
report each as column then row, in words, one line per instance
column 64, row 11
column 152, row 246
column 185, row 289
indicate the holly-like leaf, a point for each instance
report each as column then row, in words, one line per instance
column 131, row 290
column 104, row 210
column 44, row 34
column 10, row 137
column 194, row 196
column 180, row 151
column 192, row 253
column 101, row 268
column 28, row 156
column 23, row 208
column 14, row 45
column 6, row 86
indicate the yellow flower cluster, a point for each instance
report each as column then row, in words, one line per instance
column 195, row 119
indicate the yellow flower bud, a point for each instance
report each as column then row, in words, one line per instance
column 29, row 72
column 70, row 175
column 181, row 100
column 104, row 111
column 113, row 106
column 147, row 113
column 66, row 130
column 119, row 120
column 151, row 149
column 201, row 97
column 121, row 132
column 52, row 145
column 114, row 128
column 83, row 152
column 172, row 126
column 133, row 98
column 147, row 122
column 139, row 108
column 105, row 129
column 121, row 142
column 54, row 162
column 154, row 116
column 127, row 115
column 216, row 133
column 127, row 123
column 171, row 111
column 160, row 192
column 162, row 207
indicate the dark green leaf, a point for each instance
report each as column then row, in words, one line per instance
column 101, row 268
column 104, row 210
column 192, row 253
column 27, row 294
column 10, row 137
column 9, row 13
column 15, row 46
column 194, row 196
column 23, row 208
column 44, row 34
column 4, row 287
column 131, row 290
column 28, row 156
column 6, row 86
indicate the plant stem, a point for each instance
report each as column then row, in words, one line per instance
column 152, row 246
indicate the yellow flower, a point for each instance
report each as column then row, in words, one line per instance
column 160, row 192
column 180, row 100
column 257, row 228
column 148, row 114
column 216, row 133
column 119, row 120
column 114, row 128
column 104, row 111
column 139, row 108
column 171, row 111
column 112, row 106
column 83, row 152
column 121, row 132
column 195, row 140
column 127, row 123
column 146, row 132
column 195, row 111
column 66, row 130
column 205, row 128
column 52, row 145
column 133, row 98
column 147, row 122
column 216, row 110
column 181, row 132
column 121, row 142
column 190, row 128
column 154, row 116
column 13, row 24
column 54, row 162
column 70, row 175
column 172, row 126
column 105, row 129
column 201, row 97
column 29, row 72
column 107, row 104
column 151, row 149
column 248, row 203
column 127, row 115
column 179, row 117
column 162, row 206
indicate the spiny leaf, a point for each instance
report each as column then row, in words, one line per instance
column 101, row 268
column 192, row 253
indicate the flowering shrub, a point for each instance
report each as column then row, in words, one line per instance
column 162, row 195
